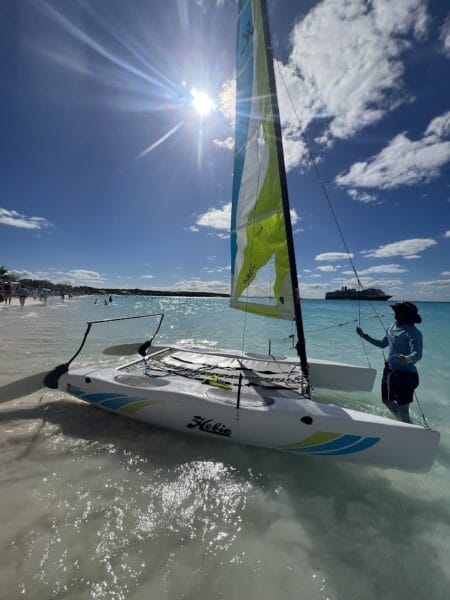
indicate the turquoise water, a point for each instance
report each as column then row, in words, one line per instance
column 97, row 506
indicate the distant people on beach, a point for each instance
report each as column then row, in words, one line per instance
column 7, row 292
column 96, row 301
column 106, row 302
column 22, row 293
column 43, row 296
column 110, row 298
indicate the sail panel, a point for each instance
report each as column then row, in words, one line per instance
column 258, row 233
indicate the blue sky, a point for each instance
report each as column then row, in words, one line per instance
column 111, row 177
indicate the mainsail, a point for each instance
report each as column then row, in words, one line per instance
column 260, row 221
column 261, row 230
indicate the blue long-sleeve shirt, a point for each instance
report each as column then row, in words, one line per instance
column 401, row 339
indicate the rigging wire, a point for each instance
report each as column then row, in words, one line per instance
column 336, row 325
column 313, row 161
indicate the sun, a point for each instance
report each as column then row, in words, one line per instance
column 202, row 102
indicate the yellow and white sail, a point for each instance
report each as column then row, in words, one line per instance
column 259, row 247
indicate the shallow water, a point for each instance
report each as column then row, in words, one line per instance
column 98, row 506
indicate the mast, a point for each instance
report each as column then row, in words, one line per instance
column 301, row 345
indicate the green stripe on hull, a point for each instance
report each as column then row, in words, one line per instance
column 320, row 437
column 135, row 406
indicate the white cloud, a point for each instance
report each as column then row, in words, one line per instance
column 227, row 143
column 216, row 218
column 441, row 283
column 84, row 273
column 345, row 65
column 439, row 127
column 445, row 273
column 147, row 276
column 379, row 269
column 313, row 289
column 294, row 151
column 447, row 234
column 294, row 216
column 220, row 218
column 197, row 285
column 404, row 162
column 227, row 101
column 333, row 256
column 363, row 197
column 405, row 248
column 444, row 37
column 385, row 284
column 15, row 219
column 73, row 277
column 328, row 268
column 84, row 277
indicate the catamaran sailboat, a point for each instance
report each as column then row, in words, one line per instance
column 256, row 399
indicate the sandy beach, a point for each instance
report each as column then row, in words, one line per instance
column 30, row 301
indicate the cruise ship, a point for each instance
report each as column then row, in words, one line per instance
column 346, row 293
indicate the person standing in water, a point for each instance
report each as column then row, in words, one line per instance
column 400, row 377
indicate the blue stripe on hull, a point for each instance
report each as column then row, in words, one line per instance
column 342, row 442
column 358, row 447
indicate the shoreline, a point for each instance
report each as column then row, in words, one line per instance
column 30, row 301
column 15, row 303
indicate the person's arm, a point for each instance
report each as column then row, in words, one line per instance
column 378, row 343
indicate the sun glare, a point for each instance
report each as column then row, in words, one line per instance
column 202, row 102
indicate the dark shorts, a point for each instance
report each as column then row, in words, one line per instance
column 399, row 386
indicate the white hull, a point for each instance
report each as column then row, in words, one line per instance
column 272, row 417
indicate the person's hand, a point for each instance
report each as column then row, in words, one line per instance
column 360, row 332
column 402, row 359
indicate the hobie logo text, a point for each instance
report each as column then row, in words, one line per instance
column 209, row 426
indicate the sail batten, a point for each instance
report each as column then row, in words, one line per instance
column 256, row 220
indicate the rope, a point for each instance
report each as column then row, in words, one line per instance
column 425, row 421
column 313, row 161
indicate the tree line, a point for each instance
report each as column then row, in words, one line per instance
column 74, row 290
